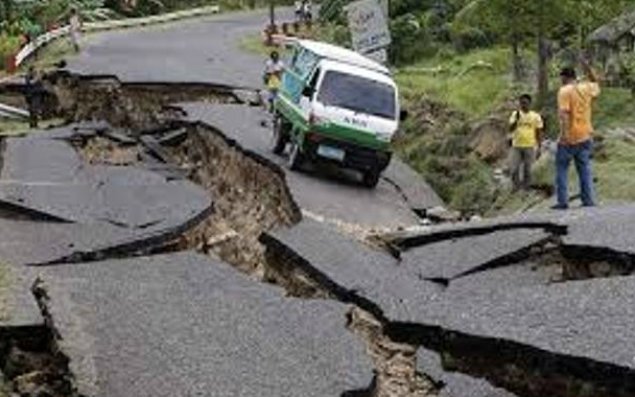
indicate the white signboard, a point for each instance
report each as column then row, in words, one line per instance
column 368, row 25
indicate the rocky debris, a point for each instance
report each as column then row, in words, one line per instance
column 109, row 151
column 248, row 97
column 453, row 384
column 489, row 140
column 185, row 324
column 395, row 363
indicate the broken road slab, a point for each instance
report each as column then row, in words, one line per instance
column 35, row 243
column 579, row 327
column 449, row 259
column 557, row 337
column 18, row 307
column 48, row 176
column 352, row 271
column 333, row 198
column 185, row 325
column 37, row 160
column 608, row 228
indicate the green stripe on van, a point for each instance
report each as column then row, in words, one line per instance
column 331, row 130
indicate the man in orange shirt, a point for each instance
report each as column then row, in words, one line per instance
column 575, row 100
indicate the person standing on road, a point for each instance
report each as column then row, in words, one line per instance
column 575, row 100
column 273, row 77
column 526, row 127
column 307, row 11
column 299, row 8
column 33, row 92
column 75, row 24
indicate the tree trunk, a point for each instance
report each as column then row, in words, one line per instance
column 543, row 70
column 517, row 61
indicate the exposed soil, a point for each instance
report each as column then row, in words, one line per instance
column 395, row 363
column 250, row 196
column 101, row 150
column 136, row 106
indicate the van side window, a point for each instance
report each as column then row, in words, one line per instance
column 304, row 63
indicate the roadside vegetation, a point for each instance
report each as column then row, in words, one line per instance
column 462, row 63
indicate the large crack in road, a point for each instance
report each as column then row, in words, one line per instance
column 447, row 312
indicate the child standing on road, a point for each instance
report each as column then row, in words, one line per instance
column 273, row 77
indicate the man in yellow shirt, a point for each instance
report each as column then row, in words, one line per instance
column 575, row 100
column 526, row 126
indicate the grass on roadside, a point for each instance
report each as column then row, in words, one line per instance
column 254, row 44
column 10, row 127
column 473, row 83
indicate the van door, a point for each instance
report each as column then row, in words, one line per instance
column 309, row 93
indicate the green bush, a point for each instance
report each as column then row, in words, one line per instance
column 470, row 38
column 411, row 40
column 9, row 45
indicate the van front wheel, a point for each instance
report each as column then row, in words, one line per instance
column 296, row 158
column 370, row 178
column 280, row 136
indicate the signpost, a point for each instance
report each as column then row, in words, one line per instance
column 367, row 20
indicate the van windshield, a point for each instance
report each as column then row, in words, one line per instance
column 358, row 94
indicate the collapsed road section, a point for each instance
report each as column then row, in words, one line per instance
column 499, row 308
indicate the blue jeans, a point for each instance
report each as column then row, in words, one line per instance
column 581, row 155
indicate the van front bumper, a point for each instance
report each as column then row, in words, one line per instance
column 355, row 156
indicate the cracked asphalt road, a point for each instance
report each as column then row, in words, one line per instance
column 208, row 50
column 491, row 302
column 197, row 50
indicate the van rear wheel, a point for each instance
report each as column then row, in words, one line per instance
column 370, row 178
column 280, row 136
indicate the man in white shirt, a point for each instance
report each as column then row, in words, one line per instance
column 75, row 28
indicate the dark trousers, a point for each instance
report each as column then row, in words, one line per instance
column 521, row 161
column 581, row 156
column 35, row 105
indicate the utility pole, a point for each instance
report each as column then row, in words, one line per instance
column 271, row 29
column 272, row 14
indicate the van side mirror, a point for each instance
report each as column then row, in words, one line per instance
column 403, row 115
column 307, row 91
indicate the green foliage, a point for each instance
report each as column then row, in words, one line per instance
column 614, row 108
column 411, row 40
column 469, row 38
column 8, row 46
